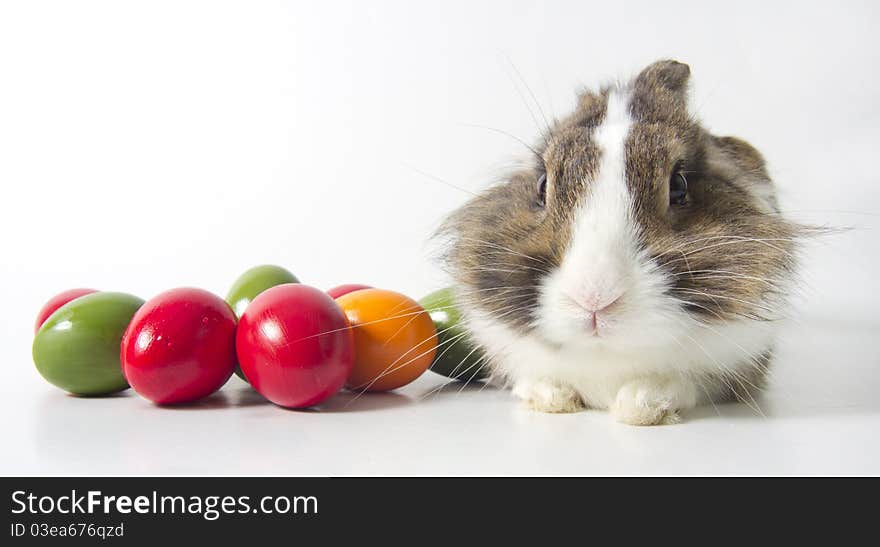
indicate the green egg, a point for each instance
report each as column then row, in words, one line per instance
column 253, row 282
column 457, row 356
column 77, row 347
column 250, row 284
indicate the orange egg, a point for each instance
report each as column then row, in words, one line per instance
column 394, row 339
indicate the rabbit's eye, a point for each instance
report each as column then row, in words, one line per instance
column 542, row 190
column 678, row 187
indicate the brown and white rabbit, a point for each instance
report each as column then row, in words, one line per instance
column 639, row 264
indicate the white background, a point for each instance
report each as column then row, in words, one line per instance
column 149, row 145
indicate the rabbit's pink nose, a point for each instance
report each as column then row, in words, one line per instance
column 597, row 311
column 606, row 307
column 600, row 304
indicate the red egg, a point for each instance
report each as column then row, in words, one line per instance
column 179, row 346
column 294, row 345
column 56, row 302
column 336, row 292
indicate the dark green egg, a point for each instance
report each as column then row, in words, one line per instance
column 457, row 356
column 77, row 347
column 250, row 284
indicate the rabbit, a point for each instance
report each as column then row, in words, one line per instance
column 636, row 264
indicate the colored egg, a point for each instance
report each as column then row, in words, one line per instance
column 295, row 346
column 253, row 282
column 250, row 284
column 336, row 292
column 458, row 357
column 56, row 302
column 394, row 337
column 77, row 346
column 180, row 346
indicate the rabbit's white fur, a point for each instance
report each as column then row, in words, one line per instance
column 642, row 381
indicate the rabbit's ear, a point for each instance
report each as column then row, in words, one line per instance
column 738, row 161
column 668, row 75
column 660, row 91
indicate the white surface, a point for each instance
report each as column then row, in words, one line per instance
column 152, row 145
column 822, row 417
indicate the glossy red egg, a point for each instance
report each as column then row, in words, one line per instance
column 336, row 292
column 179, row 346
column 295, row 346
column 56, row 302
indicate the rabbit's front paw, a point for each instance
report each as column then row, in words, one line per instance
column 546, row 396
column 643, row 402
